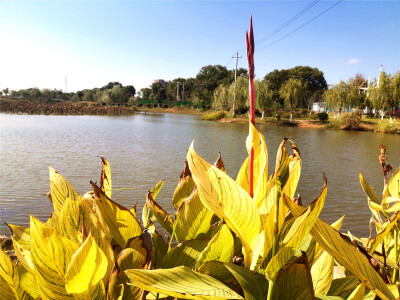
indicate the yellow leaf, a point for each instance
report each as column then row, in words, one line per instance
column 23, row 255
column 193, row 218
column 136, row 255
column 28, row 281
column 87, row 267
column 345, row 253
column 297, row 233
column 122, row 225
column 394, row 184
column 10, row 286
column 105, row 178
column 184, row 188
column 60, row 189
column 159, row 213
column 388, row 226
column 93, row 225
column 322, row 273
column 219, row 248
column 294, row 282
column 21, row 234
column 53, row 220
column 368, row 190
column 185, row 253
column 229, row 201
column 358, row 293
column 181, row 282
column 51, row 254
column 69, row 219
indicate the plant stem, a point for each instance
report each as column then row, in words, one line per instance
column 173, row 232
column 270, row 288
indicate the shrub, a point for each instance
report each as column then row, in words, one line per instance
column 389, row 127
column 323, row 116
column 241, row 110
column 218, row 115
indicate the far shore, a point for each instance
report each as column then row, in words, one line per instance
column 92, row 108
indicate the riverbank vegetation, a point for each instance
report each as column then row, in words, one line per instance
column 219, row 242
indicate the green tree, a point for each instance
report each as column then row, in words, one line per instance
column 263, row 94
column 209, row 78
column 171, row 89
column 158, row 92
column 312, row 79
column 145, row 93
column 339, row 96
column 293, row 92
column 5, row 91
column 128, row 92
column 382, row 95
column 35, row 93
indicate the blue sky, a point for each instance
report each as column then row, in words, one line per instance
column 135, row 42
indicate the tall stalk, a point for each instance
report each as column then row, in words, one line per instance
column 250, row 59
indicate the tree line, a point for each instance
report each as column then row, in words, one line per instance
column 112, row 93
column 214, row 86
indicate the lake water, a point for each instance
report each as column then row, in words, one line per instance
column 143, row 149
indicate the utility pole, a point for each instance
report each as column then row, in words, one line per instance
column 177, row 91
column 65, row 84
column 234, row 94
column 183, row 91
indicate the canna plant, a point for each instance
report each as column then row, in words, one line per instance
column 243, row 238
column 385, row 246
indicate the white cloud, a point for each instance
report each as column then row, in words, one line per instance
column 353, row 61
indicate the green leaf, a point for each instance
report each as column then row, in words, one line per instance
column 229, row 201
column 185, row 253
column 219, row 248
column 51, row 254
column 60, row 190
column 193, row 218
column 10, row 286
column 86, row 269
column 122, row 225
column 181, row 282
column 345, row 253
column 254, row 285
column 105, row 178
column 322, row 273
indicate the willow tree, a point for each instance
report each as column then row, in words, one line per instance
column 386, row 93
column 340, row 96
column 293, row 92
column 264, row 95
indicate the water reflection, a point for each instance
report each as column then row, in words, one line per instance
column 142, row 149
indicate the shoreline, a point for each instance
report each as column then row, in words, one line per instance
column 89, row 108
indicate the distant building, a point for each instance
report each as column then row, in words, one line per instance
column 318, row 107
column 162, row 82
